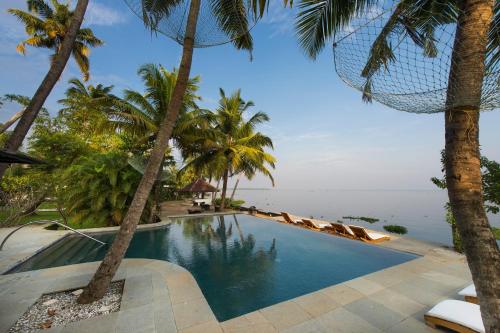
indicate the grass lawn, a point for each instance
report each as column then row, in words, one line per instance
column 51, row 216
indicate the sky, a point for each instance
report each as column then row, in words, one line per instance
column 325, row 136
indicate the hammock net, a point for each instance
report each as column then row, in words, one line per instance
column 413, row 75
column 213, row 19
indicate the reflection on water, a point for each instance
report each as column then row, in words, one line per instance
column 240, row 262
column 421, row 211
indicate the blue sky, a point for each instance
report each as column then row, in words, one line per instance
column 324, row 135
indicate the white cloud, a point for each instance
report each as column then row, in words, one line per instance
column 279, row 18
column 99, row 14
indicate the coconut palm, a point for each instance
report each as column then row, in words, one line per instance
column 140, row 114
column 83, row 112
column 57, row 28
column 233, row 146
column 47, row 26
column 232, row 20
column 318, row 21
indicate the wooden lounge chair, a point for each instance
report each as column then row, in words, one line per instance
column 458, row 316
column 469, row 294
column 313, row 224
column 368, row 236
column 288, row 219
column 341, row 230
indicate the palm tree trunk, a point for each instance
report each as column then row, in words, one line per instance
column 56, row 68
column 5, row 126
column 235, row 187
column 463, row 173
column 104, row 274
column 224, row 189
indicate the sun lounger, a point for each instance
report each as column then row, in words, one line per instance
column 315, row 224
column 469, row 294
column 342, row 230
column 288, row 219
column 458, row 316
column 368, row 236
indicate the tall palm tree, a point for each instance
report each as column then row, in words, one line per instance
column 66, row 42
column 232, row 20
column 318, row 21
column 139, row 115
column 233, row 146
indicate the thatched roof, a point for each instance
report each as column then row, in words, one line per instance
column 7, row 157
column 197, row 186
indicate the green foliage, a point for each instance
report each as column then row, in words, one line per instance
column 99, row 188
column 235, row 203
column 362, row 218
column 46, row 24
column 397, row 229
column 496, row 232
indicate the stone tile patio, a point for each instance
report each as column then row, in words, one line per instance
column 163, row 297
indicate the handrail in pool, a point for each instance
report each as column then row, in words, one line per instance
column 47, row 221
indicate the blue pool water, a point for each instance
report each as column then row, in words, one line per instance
column 241, row 263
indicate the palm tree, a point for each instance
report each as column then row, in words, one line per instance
column 83, row 112
column 232, row 20
column 139, row 116
column 66, row 42
column 233, row 146
column 318, row 21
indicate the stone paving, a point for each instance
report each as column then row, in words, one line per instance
column 162, row 297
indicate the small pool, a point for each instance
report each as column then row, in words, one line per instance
column 241, row 263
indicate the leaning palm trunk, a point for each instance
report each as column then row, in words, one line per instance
column 234, row 189
column 5, row 126
column 104, row 274
column 224, row 190
column 56, row 68
column 463, row 174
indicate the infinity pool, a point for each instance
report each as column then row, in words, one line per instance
column 241, row 263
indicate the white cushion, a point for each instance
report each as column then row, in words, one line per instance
column 375, row 235
column 459, row 312
column 349, row 230
column 468, row 291
column 322, row 225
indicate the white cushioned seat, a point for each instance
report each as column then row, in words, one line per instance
column 459, row 312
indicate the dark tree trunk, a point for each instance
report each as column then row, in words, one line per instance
column 224, row 189
column 100, row 282
column 28, row 210
column 463, row 172
column 156, row 206
column 56, row 68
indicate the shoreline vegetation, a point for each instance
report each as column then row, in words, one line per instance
column 370, row 220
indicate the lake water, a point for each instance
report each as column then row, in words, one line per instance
column 421, row 211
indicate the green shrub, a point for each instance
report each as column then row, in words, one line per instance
column 396, row 229
column 235, row 203
column 496, row 232
column 99, row 189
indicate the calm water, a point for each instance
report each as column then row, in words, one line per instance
column 240, row 262
column 421, row 212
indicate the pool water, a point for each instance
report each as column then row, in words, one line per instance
column 241, row 263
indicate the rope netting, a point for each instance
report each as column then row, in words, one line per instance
column 219, row 21
column 401, row 55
